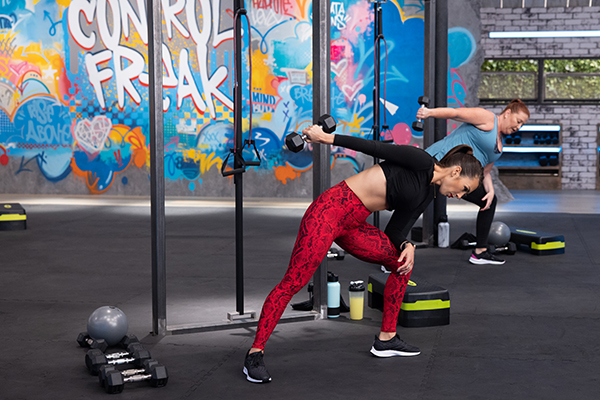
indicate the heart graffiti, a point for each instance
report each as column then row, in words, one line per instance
column 352, row 91
column 340, row 67
column 91, row 135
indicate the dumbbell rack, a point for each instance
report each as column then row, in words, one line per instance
column 531, row 158
column 132, row 362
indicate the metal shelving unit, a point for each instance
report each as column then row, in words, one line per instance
column 531, row 158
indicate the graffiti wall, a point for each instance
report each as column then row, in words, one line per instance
column 74, row 92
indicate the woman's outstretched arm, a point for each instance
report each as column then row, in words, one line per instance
column 409, row 157
column 479, row 117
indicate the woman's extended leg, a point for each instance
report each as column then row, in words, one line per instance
column 370, row 244
column 318, row 228
column 324, row 220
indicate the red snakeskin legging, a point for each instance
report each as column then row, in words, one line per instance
column 337, row 215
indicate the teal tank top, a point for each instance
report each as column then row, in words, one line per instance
column 482, row 142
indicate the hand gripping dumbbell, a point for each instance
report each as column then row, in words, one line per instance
column 418, row 124
column 295, row 142
column 94, row 359
column 85, row 340
column 114, row 380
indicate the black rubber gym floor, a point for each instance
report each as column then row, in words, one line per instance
column 524, row 330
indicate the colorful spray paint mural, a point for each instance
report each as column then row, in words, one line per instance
column 74, row 88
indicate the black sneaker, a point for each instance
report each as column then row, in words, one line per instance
column 254, row 368
column 485, row 258
column 393, row 347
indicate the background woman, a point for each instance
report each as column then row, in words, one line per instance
column 482, row 130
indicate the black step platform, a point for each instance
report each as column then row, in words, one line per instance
column 423, row 304
column 538, row 243
column 12, row 217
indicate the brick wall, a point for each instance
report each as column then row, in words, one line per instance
column 579, row 122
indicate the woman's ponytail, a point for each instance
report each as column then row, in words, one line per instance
column 462, row 156
column 516, row 106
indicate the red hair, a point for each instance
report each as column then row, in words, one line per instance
column 516, row 106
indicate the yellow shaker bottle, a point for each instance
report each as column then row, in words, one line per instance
column 357, row 299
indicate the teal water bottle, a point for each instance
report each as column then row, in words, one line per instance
column 333, row 295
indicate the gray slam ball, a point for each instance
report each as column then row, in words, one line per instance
column 108, row 323
column 499, row 233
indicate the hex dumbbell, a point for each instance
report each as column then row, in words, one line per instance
column 295, row 142
column 336, row 254
column 127, row 340
column 418, row 124
column 114, row 380
column 509, row 248
column 465, row 244
column 94, row 359
column 85, row 340
column 104, row 369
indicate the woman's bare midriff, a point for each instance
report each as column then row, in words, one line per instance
column 370, row 187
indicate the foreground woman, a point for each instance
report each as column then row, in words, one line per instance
column 405, row 182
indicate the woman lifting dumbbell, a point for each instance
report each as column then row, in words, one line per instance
column 405, row 183
column 482, row 130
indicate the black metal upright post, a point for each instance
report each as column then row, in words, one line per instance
column 441, row 90
column 321, row 41
column 429, row 91
column 237, row 163
column 436, row 88
column 157, row 173
column 377, row 22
